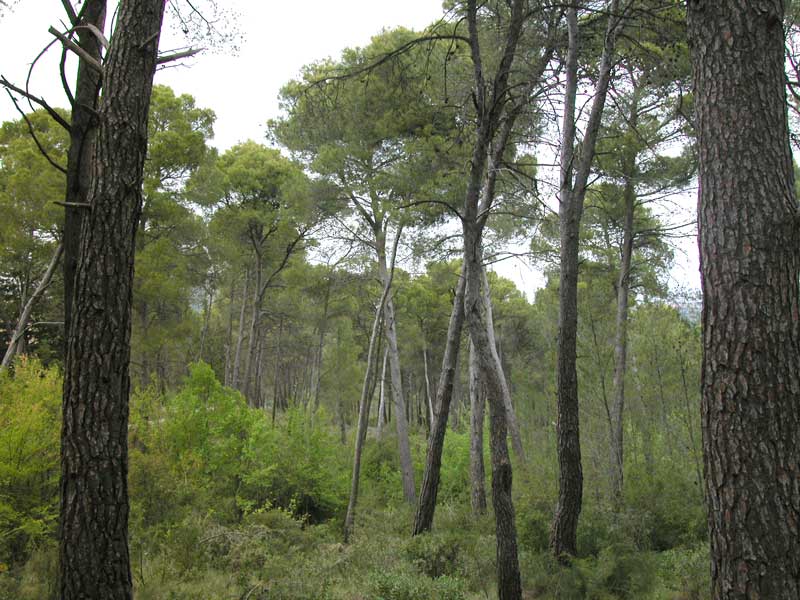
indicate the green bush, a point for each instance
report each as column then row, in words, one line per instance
column 434, row 554
column 30, row 422
column 399, row 585
column 533, row 530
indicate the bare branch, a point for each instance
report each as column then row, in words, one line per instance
column 68, row 43
column 178, row 55
column 33, row 134
column 41, row 102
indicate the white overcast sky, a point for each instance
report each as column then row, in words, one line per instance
column 278, row 38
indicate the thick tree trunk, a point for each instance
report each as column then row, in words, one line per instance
column 621, row 332
column 83, row 124
column 748, row 220
column 401, row 421
column 93, row 536
column 17, row 336
column 508, row 575
column 477, row 471
column 573, row 184
column 423, row 519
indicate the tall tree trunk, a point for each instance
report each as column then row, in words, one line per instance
column 511, row 417
column 428, row 395
column 93, row 536
column 426, row 506
column 621, row 331
column 323, row 328
column 401, row 421
column 18, row 334
column 491, row 373
column 366, row 395
column 477, row 471
column 83, row 125
column 237, row 358
column 382, row 402
column 572, row 191
column 229, row 339
column 206, row 321
column 749, row 261
column 246, row 386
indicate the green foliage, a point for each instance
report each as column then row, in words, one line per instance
column 435, row 554
column 410, row 586
column 30, row 411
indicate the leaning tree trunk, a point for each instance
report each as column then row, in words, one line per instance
column 401, row 422
column 93, row 536
column 748, row 224
column 426, row 506
column 477, row 471
column 22, row 324
column 511, row 416
column 366, row 397
column 508, row 576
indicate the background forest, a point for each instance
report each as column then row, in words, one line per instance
column 286, row 287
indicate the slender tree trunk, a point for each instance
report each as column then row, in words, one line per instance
column 621, row 335
column 573, row 184
column 511, row 417
column 423, row 520
column 477, row 471
column 366, row 395
column 229, row 339
column 382, row 402
column 246, row 386
column 428, row 396
column 323, row 327
column 748, row 224
column 93, row 536
column 83, row 125
column 401, row 421
column 22, row 324
column 237, row 358
column 206, row 321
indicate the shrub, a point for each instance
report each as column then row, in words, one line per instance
column 30, row 417
column 399, row 585
column 434, row 554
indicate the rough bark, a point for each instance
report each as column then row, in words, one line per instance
column 748, row 237
column 477, row 471
column 573, row 184
column 22, row 323
column 93, row 536
column 79, row 158
column 426, row 506
column 508, row 576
